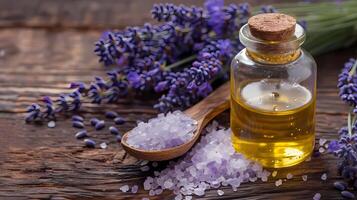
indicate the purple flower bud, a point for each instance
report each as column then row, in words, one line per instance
column 77, row 124
column 100, row 125
column 113, row 130
column 111, row 114
column 118, row 138
column 81, row 134
column 119, row 120
column 94, row 121
column 77, row 118
column 89, row 143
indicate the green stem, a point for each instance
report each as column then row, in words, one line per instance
column 349, row 124
column 181, row 62
column 353, row 69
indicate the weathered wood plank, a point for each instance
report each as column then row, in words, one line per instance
column 86, row 14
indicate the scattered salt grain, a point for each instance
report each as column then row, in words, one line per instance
column 289, row 176
column 158, row 191
column 144, row 162
column 220, row 192
column 278, row 183
column 145, row 198
column 155, row 164
column 274, row 173
column 51, row 124
column 324, row 177
column 164, row 131
column 211, row 163
column 304, row 177
column 124, row 188
column 152, row 193
column 322, row 141
column 145, row 168
column 308, row 159
column 134, row 189
column 188, row 197
column 321, row 149
column 103, row 145
column 317, row 196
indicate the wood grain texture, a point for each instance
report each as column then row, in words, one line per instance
column 37, row 162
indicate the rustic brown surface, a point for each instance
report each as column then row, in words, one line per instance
column 42, row 54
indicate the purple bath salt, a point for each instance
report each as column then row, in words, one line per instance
column 162, row 132
column 211, row 163
column 124, row 188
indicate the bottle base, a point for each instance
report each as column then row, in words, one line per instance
column 276, row 154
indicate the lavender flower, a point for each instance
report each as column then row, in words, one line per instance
column 346, row 147
column 153, row 58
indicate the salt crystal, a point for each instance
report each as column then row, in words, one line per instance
column 103, row 145
column 144, row 162
column 168, row 184
column 51, row 124
column 308, row 159
column 274, row 173
column 145, row 168
column 162, row 132
column 145, row 198
column 211, row 163
column 278, row 183
column 304, row 177
column 317, row 196
column 321, row 150
column 134, row 189
column 158, row 191
column 155, row 164
column 188, row 197
column 152, row 193
column 324, row 177
column 322, row 141
column 178, row 197
column 220, row 192
column 289, row 176
column 124, row 188
column 265, row 179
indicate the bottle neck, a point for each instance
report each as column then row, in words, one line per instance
column 276, row 59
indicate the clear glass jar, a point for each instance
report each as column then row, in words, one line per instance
column 273, row 97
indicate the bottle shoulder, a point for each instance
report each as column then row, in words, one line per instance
column 242, row 59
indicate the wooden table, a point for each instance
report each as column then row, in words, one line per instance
column 45, row 45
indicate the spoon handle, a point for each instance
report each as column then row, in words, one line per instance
column 211, row 106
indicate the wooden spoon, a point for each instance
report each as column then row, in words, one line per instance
column 203, row 112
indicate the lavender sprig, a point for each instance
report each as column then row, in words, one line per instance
column 177, row 58
column 346, row 147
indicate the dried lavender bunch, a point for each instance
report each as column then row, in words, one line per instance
column 178, row 58
column 346, row 147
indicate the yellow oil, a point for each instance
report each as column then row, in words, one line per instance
column 273, row 122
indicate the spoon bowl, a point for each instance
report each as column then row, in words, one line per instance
column 203, row 112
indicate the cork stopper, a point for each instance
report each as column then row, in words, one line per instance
column 272, row 26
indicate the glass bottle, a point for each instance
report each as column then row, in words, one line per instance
column 273, row 97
